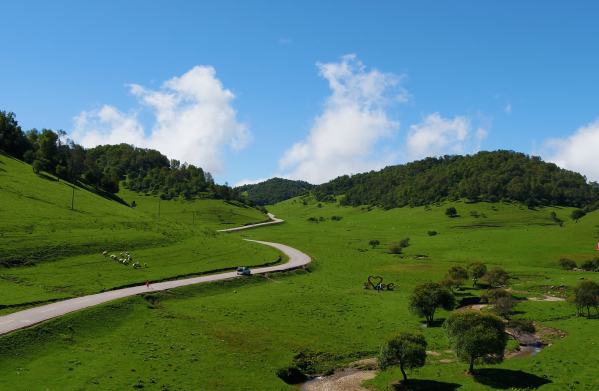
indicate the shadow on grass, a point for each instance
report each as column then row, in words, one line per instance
column 46, row 177
column 504, row 379
column 425, row 385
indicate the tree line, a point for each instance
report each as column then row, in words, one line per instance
column 105, row 166
column 486, row 176
column 275, row 190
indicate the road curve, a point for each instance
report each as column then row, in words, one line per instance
column 275, row 221
column 32, row 316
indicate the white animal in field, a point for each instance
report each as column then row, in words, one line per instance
column 113, row 256
column 145, row 264
column 105, row 253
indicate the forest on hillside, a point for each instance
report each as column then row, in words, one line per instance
column 275, row 190
column 486, row 176
column 105, row 166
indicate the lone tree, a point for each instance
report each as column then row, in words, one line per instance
column 374, row 243
column 586, row 295
column 476, row 337
column 566, row 263
column 497, row 276
column 406, row 349
column 577, row 214
column 451, row 212
column 428, row 297
column 458, row 274
column 476, row 269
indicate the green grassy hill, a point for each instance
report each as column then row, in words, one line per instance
column 208, row 337
column 50, row 252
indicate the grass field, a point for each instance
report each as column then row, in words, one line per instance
column 50, row 252
column 208, row 337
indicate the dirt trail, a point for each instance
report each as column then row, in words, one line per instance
column 346, row 383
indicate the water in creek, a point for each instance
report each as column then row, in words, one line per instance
column 337, row 375
column 528, row 351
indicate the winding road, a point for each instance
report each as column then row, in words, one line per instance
column 32, row 316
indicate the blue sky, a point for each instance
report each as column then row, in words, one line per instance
column 308, row 90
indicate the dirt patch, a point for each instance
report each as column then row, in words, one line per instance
column 446, row 361
column 433, row 353
column 449, row 351
column 347, row 383
column 369, row 363
column 548, row 335
column 547, row 298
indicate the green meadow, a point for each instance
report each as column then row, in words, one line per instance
column 237, row 335
column 50, row 252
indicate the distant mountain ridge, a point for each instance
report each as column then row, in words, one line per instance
column 274, row 190
column 485, row 176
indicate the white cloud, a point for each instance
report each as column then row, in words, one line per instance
column 508, row 108
column 344, row 136
column 194, row 121
column 437, row 136
column 285, row 40
column 577, row 152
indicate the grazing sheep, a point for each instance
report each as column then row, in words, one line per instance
column 113, row 256
column 105, row 253
column 145, row 264
column 121, row 254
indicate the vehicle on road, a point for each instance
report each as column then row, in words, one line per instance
column 243, row 271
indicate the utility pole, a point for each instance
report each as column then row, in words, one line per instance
column 73, row 199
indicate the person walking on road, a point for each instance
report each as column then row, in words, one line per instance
column 148, row 284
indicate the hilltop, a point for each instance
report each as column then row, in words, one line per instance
column 274, row 190
column 485, row 176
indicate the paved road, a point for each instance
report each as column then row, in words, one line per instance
column 276, row 221
column 32, row 316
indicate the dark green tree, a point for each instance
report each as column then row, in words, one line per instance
column 12, row 139
column 428, row 297
column 476, row 337
column 406, row 349
column 451, row 211
column 374, row 243
column 577, row 214
column 457, row 273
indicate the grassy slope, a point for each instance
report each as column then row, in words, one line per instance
column 62, row 247
column 215, row 214
column 208, row 337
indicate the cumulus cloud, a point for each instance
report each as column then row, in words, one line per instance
column 343, row 138
column 195, row 121
column 436, row 136
column 508, row 108
column 577, row 152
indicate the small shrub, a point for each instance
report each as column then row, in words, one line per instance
column 336, row 218
column 374, row 243
column 451, row 212
column 566, row 263
column 404, row 242
column 494, row 295
column 432, row 233
column 395, row 248
column 589, row 266
column 525, row 325
column 312, row 219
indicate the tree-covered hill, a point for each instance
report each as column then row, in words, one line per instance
column 104, row 166
column 485, row 176
column 274, row 190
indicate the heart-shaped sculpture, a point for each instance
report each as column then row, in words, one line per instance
column 379, row 278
